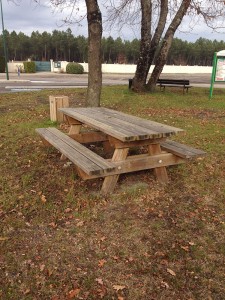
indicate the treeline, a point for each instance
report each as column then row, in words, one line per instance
column 64, row 46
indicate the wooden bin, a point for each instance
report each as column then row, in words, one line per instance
column 57, row 102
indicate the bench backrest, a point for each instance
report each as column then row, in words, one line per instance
column 173, row 81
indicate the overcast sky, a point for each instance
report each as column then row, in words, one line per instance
column 28, row 16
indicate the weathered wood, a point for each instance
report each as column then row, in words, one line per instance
column 145, row 162
column 122, row 132
column 118, row 144
column 182, row 150
column 160, row 172
column 119, row 125
column 82, row 157
column 89, row 137
column 109, row 182
column 57, row 102
column 141, row 162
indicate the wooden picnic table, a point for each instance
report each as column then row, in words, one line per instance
column 123, row 132
column 119, row 133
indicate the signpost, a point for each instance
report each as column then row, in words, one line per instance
column 4, row 44
column 218, row 71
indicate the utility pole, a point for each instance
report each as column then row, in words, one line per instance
column 4, row 44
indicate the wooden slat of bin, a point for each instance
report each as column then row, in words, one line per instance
column 57, row 102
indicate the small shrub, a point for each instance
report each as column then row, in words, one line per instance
column 29, row 66
column 2, row 64
column 74, row 68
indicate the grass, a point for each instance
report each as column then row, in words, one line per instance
column 61, row 240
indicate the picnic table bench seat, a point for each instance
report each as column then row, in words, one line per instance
column 181, row 150
column 163, row 83
column 89, row 162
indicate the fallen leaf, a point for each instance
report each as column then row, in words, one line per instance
column 3, row 238
column 130, row 259
column 119, row 287
column 165, row 284
column 80, row 224
column 53, row 224
column 185, row 248
column 191, row 243
column 99, row 281
column 101, row 292
column 101, row 262
column 42, row 268
column 55, row 298
column 27, row 291
column 171, row 272
column 43, row 198
column 115, row 257
column 73, row 293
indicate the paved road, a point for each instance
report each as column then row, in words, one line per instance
column 48, row 80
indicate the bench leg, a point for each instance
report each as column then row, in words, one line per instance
column 161, row 172
column 109, row 182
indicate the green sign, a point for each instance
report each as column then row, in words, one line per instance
column 218, row 71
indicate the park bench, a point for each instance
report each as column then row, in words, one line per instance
column 163, row 83
column 86, row 160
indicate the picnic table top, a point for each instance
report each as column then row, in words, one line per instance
column 121, row 126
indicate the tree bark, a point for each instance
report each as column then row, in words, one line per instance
column 159, row 30
column 142, row 69
column 166, row 44
column 94, row 19
column 148, row 47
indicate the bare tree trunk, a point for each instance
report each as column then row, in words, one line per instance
column 143, row 65
column 166, row 44
column 142, row 69
column 94, row 18
column 159, row 30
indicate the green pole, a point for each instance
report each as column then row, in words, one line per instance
column 213, row 75
column 4, row 44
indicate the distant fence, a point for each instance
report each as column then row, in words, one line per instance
column 119, row 68
column 43, row 66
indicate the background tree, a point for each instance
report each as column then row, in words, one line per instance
column 167, row 15
column 181, row 52
column 94, row 18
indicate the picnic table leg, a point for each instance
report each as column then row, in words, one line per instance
column 74, row 129
column 160, row 172
column 109, row 182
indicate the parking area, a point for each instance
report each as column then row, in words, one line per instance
column 48, row 80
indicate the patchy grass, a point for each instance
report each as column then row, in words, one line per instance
column 61, row 240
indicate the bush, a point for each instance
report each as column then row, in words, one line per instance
column 29, row 66
column 74, row 68
column 2, row 64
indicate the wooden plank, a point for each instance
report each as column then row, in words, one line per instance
column 88, row 161
column 57, row 102
column 182, row 150
column 142, row 162
column 119, row 144
column 160, row 172
column 119, row 125
column 89, row 137
column 109, row 182
column 97, row 124
column 137, row 122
